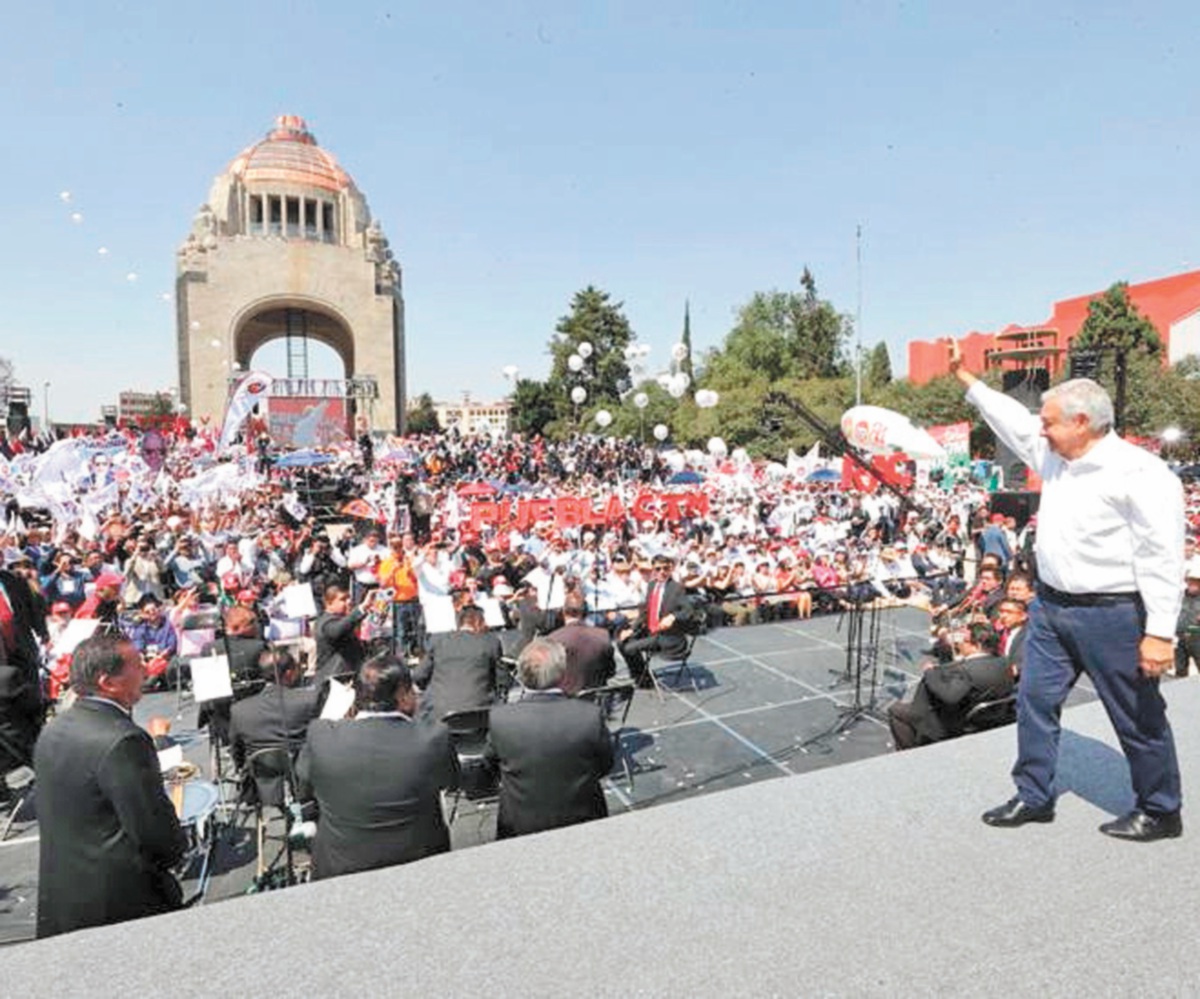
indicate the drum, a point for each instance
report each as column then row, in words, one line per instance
column 197, row 803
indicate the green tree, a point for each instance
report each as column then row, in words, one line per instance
column 422, row 417
column 1114, row 323
column 533, row 406
column 687, row 365
column 783, row 335
column 595, row 320
column 877, row 371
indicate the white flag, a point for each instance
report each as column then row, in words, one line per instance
column 250, row 392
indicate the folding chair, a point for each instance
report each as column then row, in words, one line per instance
column 21, row 781
column 615, row 699
column 477, row 780
column 990, row 714
column 680, row 663
column 507, row 681
column 271, row 771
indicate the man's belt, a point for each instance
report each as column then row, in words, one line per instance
column 1050, row 594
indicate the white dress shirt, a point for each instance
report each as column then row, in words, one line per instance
column 1110, row 521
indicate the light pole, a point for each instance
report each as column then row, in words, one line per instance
column 45, row 407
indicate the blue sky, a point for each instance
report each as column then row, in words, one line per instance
column 998, row 157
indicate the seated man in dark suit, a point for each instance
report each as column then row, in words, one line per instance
column 21, row 707
column 590, row 660
column 377, row 777
column 459, row 670
column 109, row 836
column 339, row 649
column 661, row 626
column 1011, row 618
column 947, row 691
column 276, row 716
column 552, row 751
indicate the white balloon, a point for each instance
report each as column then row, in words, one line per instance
column 661, row 432
column 64, row 196
column 103, row 251
column 643, row 349
column 677, row 389
column 679, row 351
column 574, row 362
column 641, row 400
column 664, row 381
column 707, row 398
column 603, row 417
column 631, row 352
column 215, row 343
column 131, row 277
column 165, row 296
column 510, row 372
column 578, row 395
column 680, row 380
column 76, row 217
column 195, row 324
column 716, row 446
column 584, row 349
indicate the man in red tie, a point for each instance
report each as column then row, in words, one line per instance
column 661, row 625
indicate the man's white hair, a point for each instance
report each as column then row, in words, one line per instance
column 542, row 664
column 1082, row 396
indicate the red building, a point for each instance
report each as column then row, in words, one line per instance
column 1172, row 304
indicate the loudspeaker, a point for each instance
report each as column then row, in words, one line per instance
column 1022, row 506
column 1026, row 386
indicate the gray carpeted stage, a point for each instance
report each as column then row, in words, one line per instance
column 869, row 878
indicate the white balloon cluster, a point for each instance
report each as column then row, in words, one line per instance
column 76, row 217
column 677, row 384
column 707, row 398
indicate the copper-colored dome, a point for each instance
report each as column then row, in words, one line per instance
column 290, row 154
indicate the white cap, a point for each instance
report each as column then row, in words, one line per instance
column 1192, row 569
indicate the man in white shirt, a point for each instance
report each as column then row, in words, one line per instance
column 1110, row 557
column 363, row 562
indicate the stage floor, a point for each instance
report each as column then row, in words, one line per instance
column 768, row 701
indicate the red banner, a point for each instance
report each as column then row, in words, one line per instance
column 884, row 468
column 588, row 511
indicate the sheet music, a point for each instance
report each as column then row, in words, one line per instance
column 439, row 614
column 170, row 757
column 210, row 679
column 493, row 616
column 339, row 702
column 298, row 601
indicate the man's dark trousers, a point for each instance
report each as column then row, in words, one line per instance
column 1102, row 641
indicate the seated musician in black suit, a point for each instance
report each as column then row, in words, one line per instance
column 662, row 625
column 947, row 691
column 276, row 716
column 552, row 751
column 377, row 777
column 590, row 660
column 458, row 672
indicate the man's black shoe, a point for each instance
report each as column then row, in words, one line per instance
column 1142, row 827
column 1015, row 812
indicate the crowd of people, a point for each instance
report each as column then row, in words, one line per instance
column 397, row 587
